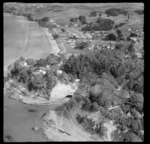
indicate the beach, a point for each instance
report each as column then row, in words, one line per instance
column 27, row 39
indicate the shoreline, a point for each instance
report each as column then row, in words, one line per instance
column 55, row 48
column 52, row 41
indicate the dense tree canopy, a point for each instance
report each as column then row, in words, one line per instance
column 115, row 11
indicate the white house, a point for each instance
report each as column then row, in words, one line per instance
column 42, row 71
column 59, row 71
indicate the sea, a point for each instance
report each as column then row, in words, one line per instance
column 19, row 118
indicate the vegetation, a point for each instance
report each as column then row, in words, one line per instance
column 89, row 125
column 93, row 14
column 82, row 19
column 115, row 12
column 100, row 72
column 110, row 37
column 81, row 46
column 119, row 35
column 139, row 12
column 44, row 22
column 111, row 84
column 119, row 25
column 101, row 24
column 74, row 20
column 55, row 36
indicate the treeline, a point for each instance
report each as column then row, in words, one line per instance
column 116, row 12
column 139, row 12
column 110, row 61
column 101, row 24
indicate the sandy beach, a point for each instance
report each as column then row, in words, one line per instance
column 55, row 48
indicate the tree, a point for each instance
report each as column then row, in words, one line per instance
column 136, row 101
column 21, row 59
column 115, row 11
column 41, row 63
column 93, row 14
column 81, row 46
column 55, row 36
column 131, row 48
column 52, row 59
column 79, row 118
column 23, row 75
column 133, row 35
column 131, row 137
column 73, row 20
column 120, row 35
column 139, row 11
column 38, row 81
column 119, row 47
column 111, row 37
column 100, row 129
column 31, row 62
column 49, row 83
column 44, row 22
column 82, row 19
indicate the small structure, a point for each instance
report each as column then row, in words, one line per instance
column 52, row 21
column 129, row 29
column 24, row 63
column 59, row 71
column 42, row 71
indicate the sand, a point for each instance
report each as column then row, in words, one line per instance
column 110, row 128
column 54, row 49
column 61, row 90
column 63, row 129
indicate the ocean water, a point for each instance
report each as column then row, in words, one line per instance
column 19, row 118
column 14, row 37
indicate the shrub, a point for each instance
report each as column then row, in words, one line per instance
column 110, row 37
column 82, row 19
column 93, row 14
column 81, row 45
column 55, row 36
column 73, row 19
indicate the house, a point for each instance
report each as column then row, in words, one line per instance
column 52, row 21
column 59, row 71
column 24, row 63
column 43, row 72
column 129, row 29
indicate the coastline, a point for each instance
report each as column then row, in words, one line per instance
column 39, row 101
column 52, row 41
column 55, row 48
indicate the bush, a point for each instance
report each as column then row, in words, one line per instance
column 55, row 36
column 81, row 46
column 110, row 37
column 133, row 35
column 73, row 20
column 43, row 22
column 82, row 19
column 93, row 14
